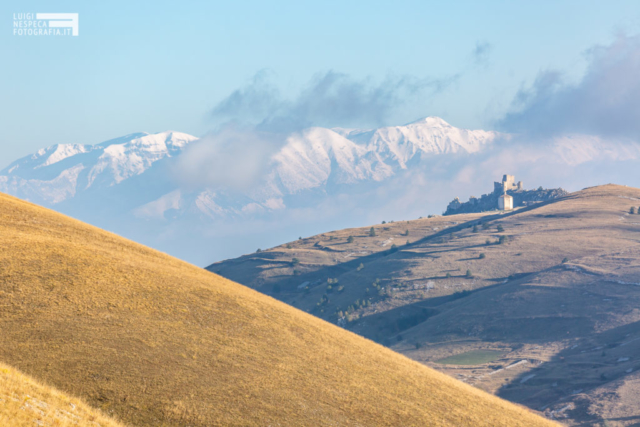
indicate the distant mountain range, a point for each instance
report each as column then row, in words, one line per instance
column 315, row 179
column 316, row 158
column 121, row 182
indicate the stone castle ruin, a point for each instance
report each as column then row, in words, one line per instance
column 506, row 195
column 508, row 183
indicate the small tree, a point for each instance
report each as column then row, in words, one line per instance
column 469, row 275
column 482, row 256
column 350, row 239
column 632, row 210
column 259, row 250
column 372, row 232
column 448, row 275
column 384, row 222
column 475, row 228
column 500, row 228
column 406, row 233
column 565, row 260
column 295, row 261
column 502, row 239
column 487, row 242
column 288, row 245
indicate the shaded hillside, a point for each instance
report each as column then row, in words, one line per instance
column 539, row 305
column 25, row 402
column 157, row 341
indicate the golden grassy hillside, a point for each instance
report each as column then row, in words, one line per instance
column 25, row 402
column 157, row 341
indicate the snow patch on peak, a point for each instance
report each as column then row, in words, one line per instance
column 63, row 151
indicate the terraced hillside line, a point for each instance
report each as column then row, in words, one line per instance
column 156, row 341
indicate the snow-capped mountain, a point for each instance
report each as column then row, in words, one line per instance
column 59, row 173
column 320, row 157
column 129, row 184
column 316, row 158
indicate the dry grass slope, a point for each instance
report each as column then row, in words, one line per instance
column 25, row 402
column 157, row 341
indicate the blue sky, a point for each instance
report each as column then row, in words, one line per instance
column 154, row 66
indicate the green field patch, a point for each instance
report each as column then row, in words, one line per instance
column 473, row 357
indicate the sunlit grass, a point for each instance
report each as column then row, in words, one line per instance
column 25, row 402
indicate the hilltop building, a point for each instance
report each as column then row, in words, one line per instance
column 505, row 202
column 508, row 184
column 506, row 195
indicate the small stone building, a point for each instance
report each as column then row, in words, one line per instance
column 505, row 202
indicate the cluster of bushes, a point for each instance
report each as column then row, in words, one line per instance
column 360, row 267
column 460, row 294
column 501, row 240
column 352, row 308
column 324, row 300
column 333, row 284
